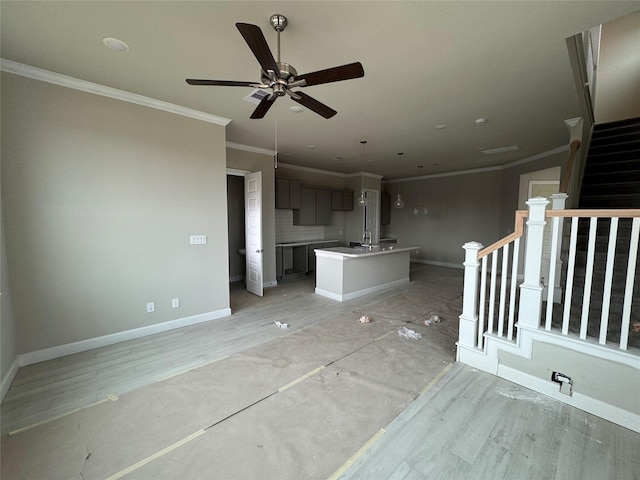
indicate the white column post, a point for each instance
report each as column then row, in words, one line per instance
column 558, row 201
column 531, row 289
column 469, row 318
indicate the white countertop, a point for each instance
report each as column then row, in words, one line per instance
column 360, row 252
column 300, row 243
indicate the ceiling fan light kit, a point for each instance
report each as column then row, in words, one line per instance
column 280, row 77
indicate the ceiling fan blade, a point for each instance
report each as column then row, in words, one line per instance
column 263, row 107
column 258, row 45
column 223, row 83
column 335, row 74
column 313, row 104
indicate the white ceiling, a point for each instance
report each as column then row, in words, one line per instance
column 426, row 63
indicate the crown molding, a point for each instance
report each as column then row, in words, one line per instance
column 363, row 174
column 47, row 76
column 249, row 148
column 311, row 170
column 548, row 153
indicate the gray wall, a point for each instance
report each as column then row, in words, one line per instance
column 99, row 199
column 461, row 208
column 511, row 186
column 618, row 75
column 8, row 336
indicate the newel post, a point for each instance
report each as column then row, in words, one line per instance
column 469, row 318
column 529, row 313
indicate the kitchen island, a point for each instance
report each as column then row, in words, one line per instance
column 343, row 273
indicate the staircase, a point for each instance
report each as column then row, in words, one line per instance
column 612, row 171
column 611, row 181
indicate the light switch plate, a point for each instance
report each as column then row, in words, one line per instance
column 198, row 239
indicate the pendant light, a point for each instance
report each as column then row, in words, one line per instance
column 398, row 203
column 419, row 208
column 362, row 199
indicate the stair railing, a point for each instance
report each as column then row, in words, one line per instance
column 479, row 320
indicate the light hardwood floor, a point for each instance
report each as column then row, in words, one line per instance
column 466, row 425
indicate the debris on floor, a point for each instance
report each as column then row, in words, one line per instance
column 408, row 333
column 432, row 319
column 281, row 324
column 636, row 327
column 364, row 319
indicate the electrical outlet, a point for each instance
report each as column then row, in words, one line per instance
column 151, row 307
column 198, row 239
column 175, row 303
column 565, row 381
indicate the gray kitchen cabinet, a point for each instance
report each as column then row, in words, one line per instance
column 287, row 193
column 347, row 201
column 341, row 200
column 312, row 255
column 385, row 209
column 306, row 214
column 323, row 207
column 279, row 270
column 291, row 261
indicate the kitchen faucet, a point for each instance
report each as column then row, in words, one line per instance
column 366, row 238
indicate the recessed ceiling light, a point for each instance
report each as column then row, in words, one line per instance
column 311, row 147
column 115, row 44
column 338, row 157
column 442, row 126
column 480, row 121
column 296, row 109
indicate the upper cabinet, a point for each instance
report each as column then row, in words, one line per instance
column 385, row 209
column 287, row 193
column 323, row 207
column 315, row 207
column 341, row 200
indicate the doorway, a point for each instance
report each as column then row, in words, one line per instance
column 236, row 227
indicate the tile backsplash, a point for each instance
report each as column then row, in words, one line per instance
column 286, row 231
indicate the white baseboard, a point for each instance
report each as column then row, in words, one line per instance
column 8, row 378
column 90, row 343
column 591, row 405
column 438, row 264
column 360, row 293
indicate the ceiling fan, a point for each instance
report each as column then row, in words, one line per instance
column 281, row 77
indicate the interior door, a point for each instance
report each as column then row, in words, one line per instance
column 253, row 232
column 544, row 188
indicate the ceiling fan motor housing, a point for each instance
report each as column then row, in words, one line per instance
column 286, row 73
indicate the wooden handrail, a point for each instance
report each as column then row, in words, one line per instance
column 602, row 213
column 566, row 175
column 518, row 229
